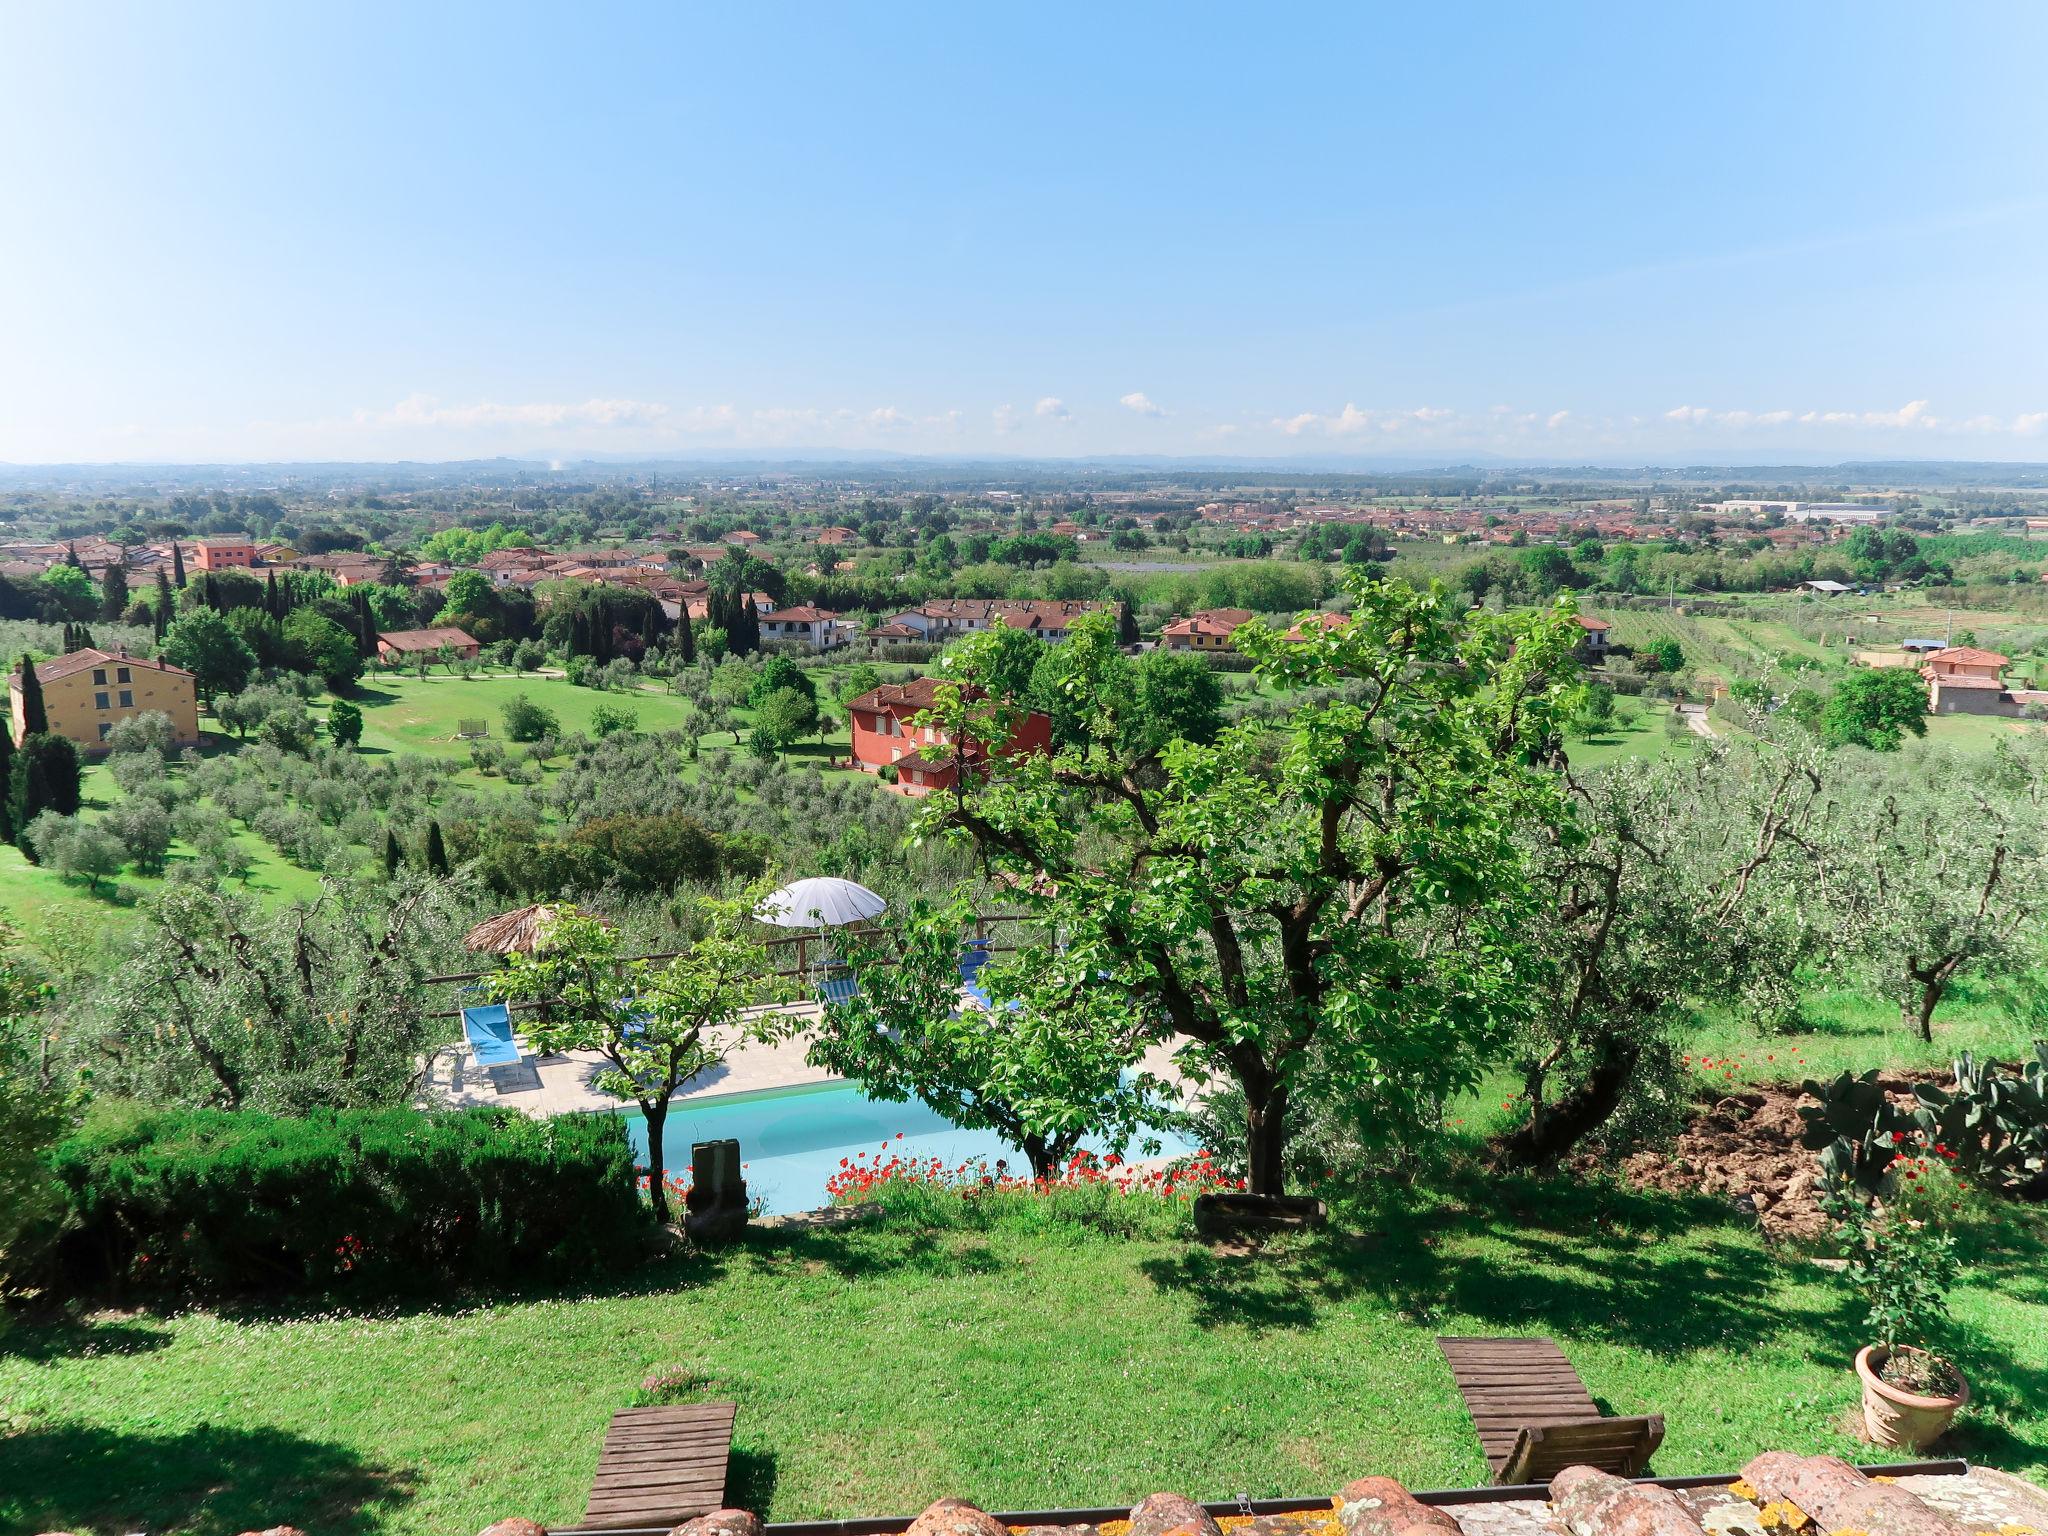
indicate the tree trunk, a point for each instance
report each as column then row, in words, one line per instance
column 1579, row 1113
column 1042, row 1156
column 1266, row 1125
column 655, row 1117
column 1917, row 1011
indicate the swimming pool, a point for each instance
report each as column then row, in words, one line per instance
column 791, row 1139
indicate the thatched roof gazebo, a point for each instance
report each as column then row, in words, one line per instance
column 517, row 933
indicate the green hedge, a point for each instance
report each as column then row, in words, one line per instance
column 381, row 1200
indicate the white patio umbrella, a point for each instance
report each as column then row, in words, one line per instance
column 820, row 902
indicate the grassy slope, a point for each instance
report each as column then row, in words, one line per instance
column 877, row 1370
column 401, row 714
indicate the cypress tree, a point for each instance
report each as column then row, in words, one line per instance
column 113, row 591
column 686, row 641
column 6, row 783
column 34, row 718
column 437, row 851
column 272, row 603
column 750, row 621
column 394, row 856
column 209, row 592
column 45, row 777
column 177, row 563
column 84, row 638
column 71, row 556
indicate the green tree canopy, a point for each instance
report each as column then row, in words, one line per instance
column 201, row 642
column 1875, row 708
column 1347, row 887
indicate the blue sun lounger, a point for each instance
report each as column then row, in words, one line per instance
column 972, row 959
column 489, row 1028
column 839, row 989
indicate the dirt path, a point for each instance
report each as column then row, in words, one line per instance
column 1696, row 721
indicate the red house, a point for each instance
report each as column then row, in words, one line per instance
column 883, row 735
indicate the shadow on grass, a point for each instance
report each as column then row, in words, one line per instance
column 750, row 1479
column 200, row 1482
column 68, row 1338
column 1590, row 1260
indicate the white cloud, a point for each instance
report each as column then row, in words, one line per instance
column 1053, row 408
column 1137, row 400
column 1005, row 419
column 426, row 411
column 1914, row 415
column 1557, row 419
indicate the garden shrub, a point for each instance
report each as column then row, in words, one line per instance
column 379, row 1200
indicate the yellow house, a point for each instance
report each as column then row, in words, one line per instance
column 86, row 693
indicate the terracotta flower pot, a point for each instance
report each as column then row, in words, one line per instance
column 1893, row 1416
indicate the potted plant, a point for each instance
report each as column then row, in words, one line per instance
column 1903, row 1263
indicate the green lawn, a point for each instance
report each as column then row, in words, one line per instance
column 1645, row 734
column 878, row 1369
column 404, row 713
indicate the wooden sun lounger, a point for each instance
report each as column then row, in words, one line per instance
column 1535, row 1417
column 661, row 1466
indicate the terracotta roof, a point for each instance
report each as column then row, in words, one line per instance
column 802, row 613
column 1960, row 680
column 1940, row 1498
column 424, row 639
column 1592, row 624
column 58, row 667
column 918, row 693
column 1968, row 656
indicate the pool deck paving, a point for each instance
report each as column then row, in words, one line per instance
column 567, row 1084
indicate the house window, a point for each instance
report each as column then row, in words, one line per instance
column 100, row 701
column 121, row 675
column 127, row 698
column 105, row 726
column 99, row 676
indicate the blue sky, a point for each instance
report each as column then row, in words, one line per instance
column 1627, row 233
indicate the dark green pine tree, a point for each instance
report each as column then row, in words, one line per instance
column 273, row 604
column 1126, row 624
column 113, row 591
column 209, row 592
column 71, row 557
column 394, row 856
column 177, row 564
column 437, row 851
column 686, row 641
column 81, row 638
column 750, row 624
column 34, row 718
column 650, row 625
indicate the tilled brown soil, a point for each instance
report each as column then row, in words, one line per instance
column 1744, row 1147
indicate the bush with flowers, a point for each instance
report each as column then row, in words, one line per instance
column 1902, row 1258
column 1102, row 1192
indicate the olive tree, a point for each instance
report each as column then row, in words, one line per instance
column 1940, row 873
column 225, row 1001
column 1346, row 884
column 1673, row 883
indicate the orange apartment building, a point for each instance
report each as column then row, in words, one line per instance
column 223, row 554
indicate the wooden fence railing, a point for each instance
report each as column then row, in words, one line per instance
column 982, row 929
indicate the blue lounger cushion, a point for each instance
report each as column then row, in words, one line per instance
column 489, row 1028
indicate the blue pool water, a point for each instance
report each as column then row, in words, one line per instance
column 792, row 1139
